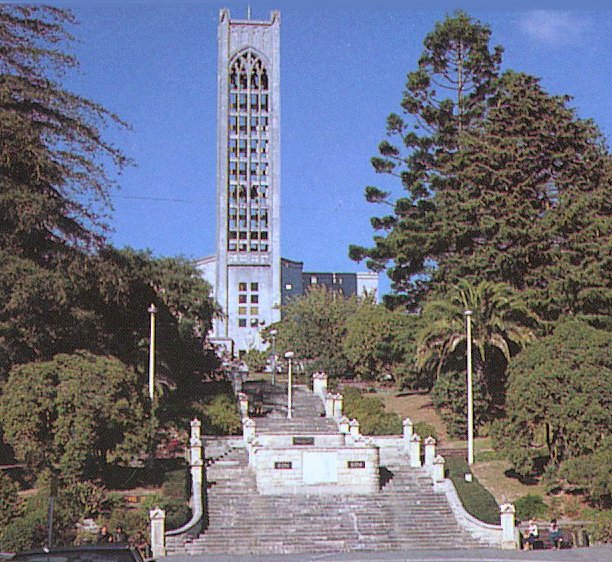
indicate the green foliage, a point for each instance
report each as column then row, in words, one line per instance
column 313, row 327
column 73, row 414
column 500, row 181
column 562, row 383
column 370, row 412
column 591, row 473
column 530, row 506
column 449, row 397
column 425, row 430
column 256, row 360
column 476, row 499
column 10, row 504
column 177, row 510
column 500, row 328
column 600, row 531
column 177, row 484
column 221, row 417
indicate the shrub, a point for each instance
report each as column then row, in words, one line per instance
column 476, row 499
column 221, row 417
column 177, row 510
column 600, row 531
column 176, row 484
column 425, row 430
column 371, row 414
column 530, row 506
column 255, row 360
column 10, row 504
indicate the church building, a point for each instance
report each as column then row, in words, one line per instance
column 250, row 280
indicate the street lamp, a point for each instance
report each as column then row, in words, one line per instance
column 289, row 357
column 152, row 311
column 470, row 397
column 273, row 336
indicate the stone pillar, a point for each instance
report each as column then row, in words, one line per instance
column 243, row 401
column 408, row 429
column 248, row 430
column 329, row 405
column 354, row 429
column 338, row 398
column 157, row 517
column 438, row 469
column 430, row 451
column 343, row 425
column 415, row 451
column 195, row 442
column 509, row 538
column 319, row 384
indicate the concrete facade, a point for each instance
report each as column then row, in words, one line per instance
column 248, row 279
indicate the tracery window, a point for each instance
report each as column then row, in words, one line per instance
column 248, row 162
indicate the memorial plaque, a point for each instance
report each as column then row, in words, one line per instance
column 303, row 440
column 356, row 464
column 284, row 465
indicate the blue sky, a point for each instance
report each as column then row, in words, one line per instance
column 343, row 71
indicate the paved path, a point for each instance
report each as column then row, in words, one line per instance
column 592, row 554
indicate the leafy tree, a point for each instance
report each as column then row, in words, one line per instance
column 256, row 360
column 369, row 341
column 444, row 98
column 592, row 474
column 53, row 158
column 73, row 414
column 560, row 385
column 500, row 328
column 313, row 326
column 533, row 206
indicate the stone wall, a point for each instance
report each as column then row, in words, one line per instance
column 284, row 440
column 316, row 470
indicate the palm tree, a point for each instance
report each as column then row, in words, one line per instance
column 501, row 326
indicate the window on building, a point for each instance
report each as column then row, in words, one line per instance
column 242, row 287
column 313, row 280
column 254, row 322
column 242, row 299
column 242, row 323
column 242, row 310
column 254, row 287
column 254, row 310
column 288, row 286
column 254, row 299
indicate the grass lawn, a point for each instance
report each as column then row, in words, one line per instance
column 492, row 474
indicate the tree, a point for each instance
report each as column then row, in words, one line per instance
column 376, row 339
column 457, row 62
column 534, row 185
column 313, row 326
column 559, row 386
column 500, row 328
column 53, row 158
column 73, row 414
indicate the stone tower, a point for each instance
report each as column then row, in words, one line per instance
column 247, row 264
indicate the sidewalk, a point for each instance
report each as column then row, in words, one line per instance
column 591, row 554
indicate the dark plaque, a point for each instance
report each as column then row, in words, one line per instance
column 283, row 465
column 303, row 440
column 356, row 464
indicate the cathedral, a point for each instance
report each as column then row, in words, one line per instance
column 250, row 280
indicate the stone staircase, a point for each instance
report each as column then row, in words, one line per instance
column 405, row 515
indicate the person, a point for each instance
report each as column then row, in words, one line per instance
column 119, row 535
column 531, row 535
column 104, row 536
column 555, row 534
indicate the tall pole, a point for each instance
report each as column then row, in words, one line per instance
column 289, row 357
column 273, row 334
column 152, row 311
column 470, row 396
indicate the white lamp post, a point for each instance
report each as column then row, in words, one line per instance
column 289, row 357
column 152, row 311
column 470, row 397
column 273, row 336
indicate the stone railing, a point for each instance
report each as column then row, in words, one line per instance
column 193, row 527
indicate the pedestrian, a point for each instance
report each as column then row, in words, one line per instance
column 104, row 536
column 119, row 535
column 555, row 534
